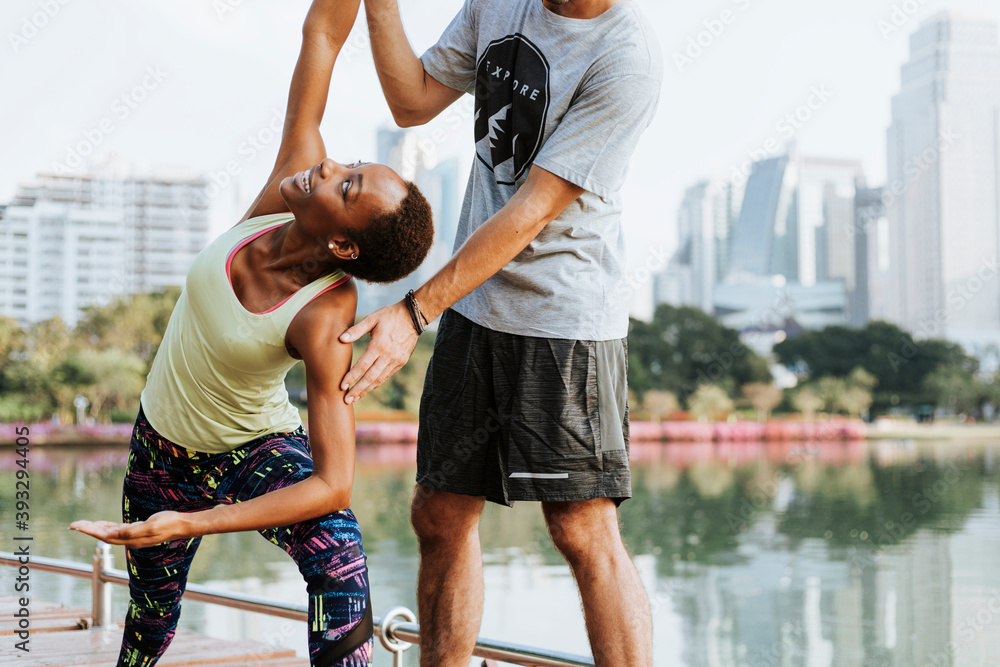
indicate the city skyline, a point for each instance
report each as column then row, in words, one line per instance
column 69, row 242
column 817, row 244
column 919, row 249
column 740, row 94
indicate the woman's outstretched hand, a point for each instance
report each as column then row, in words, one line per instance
column 160, row 527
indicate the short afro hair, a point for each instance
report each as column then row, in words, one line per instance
column 394, row 244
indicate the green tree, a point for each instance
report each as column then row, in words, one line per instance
column 857, row 397
column 660, row 404
column 12, row 341
column 13, row 356
column 851, row 395
column 107, row 378
column 710, row 402
column 763, row 397
column 106, row 358
column 829, row 390
column 898, row 363
column 806, row 401
column 30, row 389
column 955, row 390
column 855, row 401
column 682, row 348
column 133, row 324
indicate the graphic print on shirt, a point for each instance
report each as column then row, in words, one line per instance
column 512, row 101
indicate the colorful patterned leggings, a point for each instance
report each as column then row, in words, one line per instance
column 163, row 476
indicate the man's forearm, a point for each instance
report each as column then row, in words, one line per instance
column 539, row 201
column 487, row 251
column 399, row 69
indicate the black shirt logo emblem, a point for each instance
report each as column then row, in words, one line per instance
column 512, row 101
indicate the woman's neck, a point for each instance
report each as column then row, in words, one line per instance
column 290, row 251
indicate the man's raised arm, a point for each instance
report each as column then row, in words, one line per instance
column 536, row 203
column 414, row 97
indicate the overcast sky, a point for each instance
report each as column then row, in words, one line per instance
column 186, row 83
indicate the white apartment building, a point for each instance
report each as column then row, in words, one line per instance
column 71, row 241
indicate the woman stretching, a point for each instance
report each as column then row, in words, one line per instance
column 217, row 447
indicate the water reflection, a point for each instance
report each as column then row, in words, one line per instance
column 754, row 554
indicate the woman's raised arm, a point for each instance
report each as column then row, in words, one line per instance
column 324, row 33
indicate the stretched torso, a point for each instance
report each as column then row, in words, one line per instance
column 218, row 377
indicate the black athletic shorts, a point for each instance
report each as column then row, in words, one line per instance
column 514, row 417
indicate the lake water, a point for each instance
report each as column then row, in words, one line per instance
column 754, row 555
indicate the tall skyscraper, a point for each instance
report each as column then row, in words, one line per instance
column 871, row 257
column 704, row 222
column 943, row 193
column 414, row 160
column 792, row 259
column 796, row 221
column 71, row 241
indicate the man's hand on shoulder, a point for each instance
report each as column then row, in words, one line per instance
column 392, row 343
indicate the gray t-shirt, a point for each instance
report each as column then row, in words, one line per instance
column 573, row 97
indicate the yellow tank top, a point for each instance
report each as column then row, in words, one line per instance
column 217, row 381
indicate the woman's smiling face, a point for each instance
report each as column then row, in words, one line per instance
column 333, row 197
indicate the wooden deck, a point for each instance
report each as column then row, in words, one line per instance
column 61, row 636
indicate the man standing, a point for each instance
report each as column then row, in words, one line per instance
column 525, row 397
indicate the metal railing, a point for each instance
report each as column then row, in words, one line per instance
column 397, row 629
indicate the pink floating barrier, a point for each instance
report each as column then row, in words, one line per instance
column 746, row 431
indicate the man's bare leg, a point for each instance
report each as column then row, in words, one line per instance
column 450, row 578
column 615, row 604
